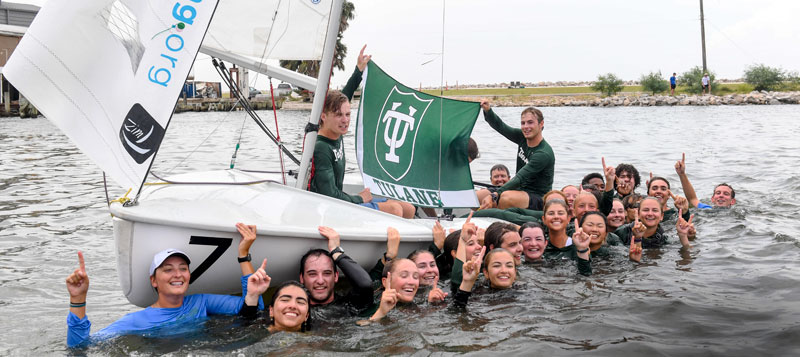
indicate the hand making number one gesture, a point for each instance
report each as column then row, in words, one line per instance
column 471, row 270
column 388, row 299
column 257, row 284
column 684, row 227
column 436, row 295
column 638, row 230
column 610, row 173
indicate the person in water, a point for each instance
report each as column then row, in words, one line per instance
column 559, row 244
column 169, row 276
column 533, row 241
column 318, row 274
column 616, row 217
column 659, row 188
column 289, row 309
column 400, row 283
column 506, row 236
column 627, row 180
column 645, row 232
column 535, row 162
column 723, row 195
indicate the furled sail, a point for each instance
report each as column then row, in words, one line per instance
column 108, row 74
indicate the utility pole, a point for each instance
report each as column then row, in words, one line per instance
column 703, row 36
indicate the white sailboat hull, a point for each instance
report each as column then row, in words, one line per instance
column 200, row 220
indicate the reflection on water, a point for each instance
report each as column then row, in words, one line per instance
column 735, row 292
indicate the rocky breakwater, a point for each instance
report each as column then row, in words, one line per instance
column 644, row 100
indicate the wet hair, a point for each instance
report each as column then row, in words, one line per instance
column 334, row 101
column 306, row 326
column 527, row 225
column 648, row 198
column 656, row 178
column 733, row 192
column 315, row 253
column 493, row 238
column 631, row 170
column 590, row 176
column 472, row 149
column 499, row 167
column 594, row 213
column 556, row 202
column 413, row 256
column 389, row 267
column 491, row 253
column 536, row 113
column 555, row 192
column 450, row 244
column 630, row 200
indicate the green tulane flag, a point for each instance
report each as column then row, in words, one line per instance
column 412, row 146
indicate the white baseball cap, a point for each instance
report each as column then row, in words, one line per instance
column 161, row 256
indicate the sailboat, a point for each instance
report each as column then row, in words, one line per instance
column 108, row 73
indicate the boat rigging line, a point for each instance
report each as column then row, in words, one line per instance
column 234, row 90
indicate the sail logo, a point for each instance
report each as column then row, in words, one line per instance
column 140, row 134
column 396, row 131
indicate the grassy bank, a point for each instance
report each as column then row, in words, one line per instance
column 722, row 89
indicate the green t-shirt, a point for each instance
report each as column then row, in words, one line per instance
column 327, row 170
column 535, row 165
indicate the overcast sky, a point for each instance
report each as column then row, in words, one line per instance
column 573, row 40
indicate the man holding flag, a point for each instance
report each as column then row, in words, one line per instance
column 535, row 162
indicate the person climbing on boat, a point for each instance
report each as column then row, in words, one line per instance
column 535, row 162
column 723, row 195
column 318, row 274
column 329, row 162
column 169, row 276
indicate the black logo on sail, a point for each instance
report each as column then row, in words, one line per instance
column 140, row 134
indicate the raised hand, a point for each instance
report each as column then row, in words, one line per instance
column 436, row 295
column 331, row 235
column 680, row 166
column 680, row 202
column 366, row 195
column 438, row 235
column 363, row 59
column 683, row 227
column 78, row 282
column 635, row 252
column 248, row 233
column 392, row 242
column 257, row 284
column 638, row 228
column 610, row 173
column 485, row 105
column 580, row 238
column 480, row 234
column 470, row 271
column 388, row 298
column 647, row 184
column 469, row 229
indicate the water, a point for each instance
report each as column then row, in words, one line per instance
column 736, row 292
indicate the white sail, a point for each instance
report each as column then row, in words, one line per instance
column 244, row 32
column 108, row 74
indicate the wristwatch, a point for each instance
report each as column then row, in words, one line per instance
column 337, row 250
column 244, row 259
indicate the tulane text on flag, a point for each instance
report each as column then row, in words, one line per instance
column 412, row 146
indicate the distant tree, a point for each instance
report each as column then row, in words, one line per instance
column 607, row 84
column 653, row 82
column 692, row 79
column 311, row 68
column 762, row 77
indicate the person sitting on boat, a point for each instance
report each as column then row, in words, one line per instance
column 723, row 195
column 319, row 275
column 499, row 175
column 535, row 162
column 169, row 276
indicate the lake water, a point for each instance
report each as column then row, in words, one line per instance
column 736, row 292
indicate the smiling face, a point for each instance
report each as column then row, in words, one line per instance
column 616, row 217
column 650, row 213
column 426, row 265
column 319, row 277
column 660, row 190
column 500, row 270
column 555, row 217
column 510, row 243
column 571, row 193
column 530, row 125
column 499, row 177
column 172, row 277
column 472, row 248
column 595, row 227
column 405, row 279
column 625, row 182
column 584, row 203
column 533, row 243
column 723, row 196
column 290, row 309
column 336, row 123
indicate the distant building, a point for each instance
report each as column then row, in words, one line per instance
column 14, row 21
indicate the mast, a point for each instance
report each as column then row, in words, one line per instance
column 320, row 93
column 703, row 36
